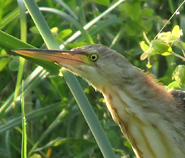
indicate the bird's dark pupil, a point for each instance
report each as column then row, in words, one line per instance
column 93, row 57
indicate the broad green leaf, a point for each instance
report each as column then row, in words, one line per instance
column 133, row 9
column 169, row 52
column 147, row 25
column 78, row 44
column 166, row 53
column 144, row 46
column 132, row 28
column 147, row 12
column 159, row 46
column 174, row 84
column 177, row 32
column 64, row 33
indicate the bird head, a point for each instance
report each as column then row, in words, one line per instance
column 98, row 64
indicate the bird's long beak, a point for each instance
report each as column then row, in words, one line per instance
column 61, row 57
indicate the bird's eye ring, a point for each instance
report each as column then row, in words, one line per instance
column 93, row 57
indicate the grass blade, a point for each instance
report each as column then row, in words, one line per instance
column 24, row 136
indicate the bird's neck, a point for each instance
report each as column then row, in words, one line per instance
column 141, row 88
column 135, row 107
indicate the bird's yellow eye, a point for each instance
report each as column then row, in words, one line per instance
column 93, row 57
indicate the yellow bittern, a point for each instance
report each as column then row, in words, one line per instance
column 151, row 118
